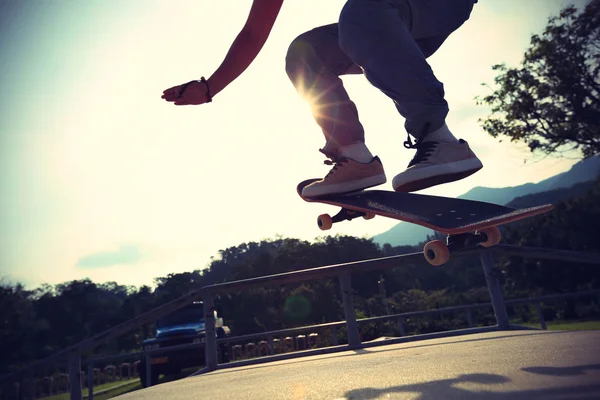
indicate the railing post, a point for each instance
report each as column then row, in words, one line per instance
column 148, row 370
column 210, row 347
column 90, row 379
column 271, row 346
column 17, row 390
column 540, row 314
column 351, row 325
column 334, row 338
column 469, row 317
column 30, row 390
column 75, row 376
column 495, row 290
column 401, row 326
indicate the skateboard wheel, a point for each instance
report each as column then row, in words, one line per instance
column 436, row 253
column 493, row 236
column 325, row 222
column 369, row 216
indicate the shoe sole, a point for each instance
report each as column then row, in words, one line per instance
column 439, row 179
column 344, row 188
column 434, row 181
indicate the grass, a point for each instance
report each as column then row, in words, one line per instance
column 112, row 389
column 136, row 385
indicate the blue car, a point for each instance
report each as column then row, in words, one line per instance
column 184, row 326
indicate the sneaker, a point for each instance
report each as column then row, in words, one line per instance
column 347, row 176
column 436, row 163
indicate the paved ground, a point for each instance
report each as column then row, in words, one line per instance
column 499, row 365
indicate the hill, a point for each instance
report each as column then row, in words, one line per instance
column 573, row 182
column 552, row 196
column 583, row 171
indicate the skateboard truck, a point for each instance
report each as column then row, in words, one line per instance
column 464, row 241
column 325, row 221
column 437, row 252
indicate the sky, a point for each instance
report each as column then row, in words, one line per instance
column 102, row 179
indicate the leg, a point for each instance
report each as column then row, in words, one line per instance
column 314, row 64
column 391, row 39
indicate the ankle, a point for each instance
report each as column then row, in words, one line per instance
column 442, row 134
column 358, row 152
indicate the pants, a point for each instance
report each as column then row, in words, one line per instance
column 386, row 40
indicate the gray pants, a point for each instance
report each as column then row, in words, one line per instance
column 386, row 40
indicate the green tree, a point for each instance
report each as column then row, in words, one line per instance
column 19, row 325
column 552, row 101
column 571, row 226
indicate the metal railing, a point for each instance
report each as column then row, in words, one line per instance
column 401, row 320
column 343, row 272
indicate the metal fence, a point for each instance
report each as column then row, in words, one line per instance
column 343, row 273
column 72, row 354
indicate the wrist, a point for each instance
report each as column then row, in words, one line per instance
column 215, row 85
column 208, row 92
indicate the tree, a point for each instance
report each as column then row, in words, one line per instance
column 18, row 326
column 552, row 101
column 572, row 225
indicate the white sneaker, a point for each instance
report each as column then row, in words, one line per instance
column 436, row 163
column 347, row 176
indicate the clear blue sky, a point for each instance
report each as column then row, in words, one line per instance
column 100, row 178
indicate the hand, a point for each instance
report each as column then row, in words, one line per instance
column 191, row 93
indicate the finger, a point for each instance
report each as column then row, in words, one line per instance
column 174, row 89
column 174, row 93
column 170, row 97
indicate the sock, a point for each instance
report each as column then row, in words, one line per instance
column 441, row 134
column 357, row 152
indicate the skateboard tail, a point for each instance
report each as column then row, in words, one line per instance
column 517, row 215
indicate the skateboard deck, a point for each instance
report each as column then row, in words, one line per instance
column 446, row 215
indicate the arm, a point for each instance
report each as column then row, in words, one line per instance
column 241, row 54
column 248, row 43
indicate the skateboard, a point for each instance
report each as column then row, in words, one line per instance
column 467, row 223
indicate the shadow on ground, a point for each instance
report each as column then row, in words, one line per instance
column 563, row 371
column 451, row 388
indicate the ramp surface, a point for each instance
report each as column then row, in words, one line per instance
column 499, row 365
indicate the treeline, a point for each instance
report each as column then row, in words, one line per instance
column 36, row 323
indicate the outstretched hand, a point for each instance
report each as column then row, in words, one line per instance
column 191, row 93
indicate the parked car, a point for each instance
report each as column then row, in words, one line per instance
column 184, row 326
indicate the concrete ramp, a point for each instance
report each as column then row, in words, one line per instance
column 499, row 365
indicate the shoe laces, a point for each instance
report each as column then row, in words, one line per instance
column 424, row 150
column 337, row 163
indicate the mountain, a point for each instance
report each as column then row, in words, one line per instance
column 549, row 190
column 553, row 196
column 585, row 170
